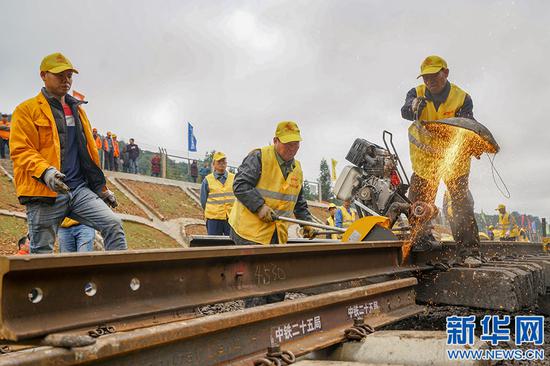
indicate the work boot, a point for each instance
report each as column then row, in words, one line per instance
column 426, row 243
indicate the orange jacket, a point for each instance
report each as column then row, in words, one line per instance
column 4, row 135
column 34, row 145
column 98, row 142
column 116, row 151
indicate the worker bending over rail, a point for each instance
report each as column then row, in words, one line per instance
column 268, row 183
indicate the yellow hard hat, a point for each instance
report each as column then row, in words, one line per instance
column 501, row 206
column 218, row 155
column 332, row 205
column 56, row 63
column 288, row 131
column 491, row 227
column 114, row 136
column 431, row 65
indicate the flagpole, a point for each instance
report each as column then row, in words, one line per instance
column 188, row 161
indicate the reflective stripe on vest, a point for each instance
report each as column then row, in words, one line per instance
column 220, row 198
column 504, row 222
column 279, row 193
column 347, row 218
column 426, row 150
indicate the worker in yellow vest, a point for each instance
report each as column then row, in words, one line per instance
column 507, row 227
column 217, row 196
column 331, row 221
column 345, row 216
column 437, row 99
column 269, row 182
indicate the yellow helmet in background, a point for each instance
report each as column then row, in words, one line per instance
column 218, row 155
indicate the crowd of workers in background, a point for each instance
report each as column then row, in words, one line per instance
column 4, row 136
column 116, row 155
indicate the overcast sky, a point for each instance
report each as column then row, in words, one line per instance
column 341, row 69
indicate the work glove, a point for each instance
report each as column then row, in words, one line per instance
column 109, row 198
column 265, row 213
column 418, row 105
column 308, row 232
column 53, row 178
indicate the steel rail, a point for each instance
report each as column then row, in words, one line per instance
column 52, row 293
column 238, row 338
column 488, row 249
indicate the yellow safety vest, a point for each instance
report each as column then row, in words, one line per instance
column 68, row 222
column 347, row 218
column 504, row 222
column 428, row 151
column 331, row 222
column 220, row 198
column 504, row 225
column 279, row 193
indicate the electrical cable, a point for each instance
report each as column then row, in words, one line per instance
column 493, row 171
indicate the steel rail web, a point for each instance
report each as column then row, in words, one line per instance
column 51, row 293
column 238, row 338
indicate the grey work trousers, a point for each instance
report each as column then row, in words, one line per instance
column 80, row 204
column 464, row 226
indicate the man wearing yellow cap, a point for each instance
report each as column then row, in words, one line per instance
column 217, row 196
column 507, row 226
column 437, row 99
column 56, row 164
column 269, row 182
column 331, row 219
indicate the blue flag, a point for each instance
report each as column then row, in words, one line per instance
column 191, row 139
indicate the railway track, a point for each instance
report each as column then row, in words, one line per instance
column 140, row 306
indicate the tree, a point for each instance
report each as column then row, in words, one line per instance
column 208, row 157
column 324, row 181
column 308, row 194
